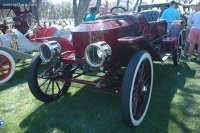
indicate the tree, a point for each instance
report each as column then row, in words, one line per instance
column 127, row 5
column 98, row 4
column 118, row 2
column 36, row 9
column 80, row 10
column 136, row 4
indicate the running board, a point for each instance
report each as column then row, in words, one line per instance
column 165, row 55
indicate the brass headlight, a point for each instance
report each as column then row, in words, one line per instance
column 49, row 50
column 97, row 53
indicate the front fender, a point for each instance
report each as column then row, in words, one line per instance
column 65, row 44
column 132, row 44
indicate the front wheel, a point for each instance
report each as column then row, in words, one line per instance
column 7, row 66
column 47, row 81
column 137, row 88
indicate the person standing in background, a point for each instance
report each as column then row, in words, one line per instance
column 194, row 35
column 170, row 14
column 189, row 25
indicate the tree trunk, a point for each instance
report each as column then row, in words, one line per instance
column 80, row 10
column 118, row 2
column 127, row 5
column 98, row 4
column 140, row 2
column 106, row 1
column 35, row 9
column 135, row 6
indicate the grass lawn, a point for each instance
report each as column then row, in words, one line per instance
column 174, row 106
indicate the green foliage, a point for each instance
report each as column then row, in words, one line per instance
column 61, row 10
column 174, row 105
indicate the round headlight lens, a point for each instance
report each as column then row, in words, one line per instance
column 97, row 53
column 45, row 52
column 49, row 50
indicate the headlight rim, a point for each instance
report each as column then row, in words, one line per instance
column 104, row 54
column 52, row 46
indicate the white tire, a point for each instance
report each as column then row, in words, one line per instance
column 137, row 88
column 7, row 66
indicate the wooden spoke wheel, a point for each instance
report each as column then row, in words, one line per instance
column 46, row 82
column 7, row 66
column 137, row 88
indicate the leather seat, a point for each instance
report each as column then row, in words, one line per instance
column 151, row 15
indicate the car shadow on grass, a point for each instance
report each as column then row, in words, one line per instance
column 88, row 111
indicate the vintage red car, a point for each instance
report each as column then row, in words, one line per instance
column 113, row 41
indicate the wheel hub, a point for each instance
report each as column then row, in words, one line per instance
column 143, row 89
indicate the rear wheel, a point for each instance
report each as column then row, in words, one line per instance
column 137, row 88
column 47, row 82
column 184, row 18
column 177, row 52
column 7, row 66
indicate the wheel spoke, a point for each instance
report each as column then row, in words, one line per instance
column 144, row 72
column 138, row 97
column 2, row 61
column 58, row 86
column 134, row 106
column 3, row 72
column 135, row 94
column 137, row 106
column 4, row 69
column 52, row 87
column 48, row 86
column 44, row 67
column 140, row 104
column 43, row 73
column 43, row 83
column 137, row 81
column 141, row 71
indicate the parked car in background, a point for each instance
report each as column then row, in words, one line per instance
column 20, row 36
column 106, row 45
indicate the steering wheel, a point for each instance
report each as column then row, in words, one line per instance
column 118, row 9
column 31, row 22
